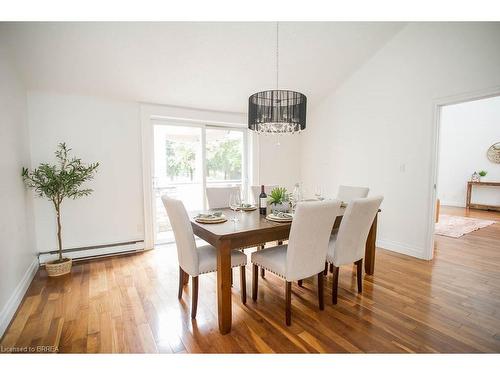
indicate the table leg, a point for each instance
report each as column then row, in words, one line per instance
column 224, row 286
column 370, row 248
column 468, row 197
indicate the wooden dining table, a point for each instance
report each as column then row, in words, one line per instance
column 253, row 229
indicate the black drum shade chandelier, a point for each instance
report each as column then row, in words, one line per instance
column 277, row 111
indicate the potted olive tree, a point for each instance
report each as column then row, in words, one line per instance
column 55, row 183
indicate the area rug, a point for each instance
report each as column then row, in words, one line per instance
column 457, row 226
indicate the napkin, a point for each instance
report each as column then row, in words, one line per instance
column 284, row 215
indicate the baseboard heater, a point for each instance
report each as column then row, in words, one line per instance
column 96, row 251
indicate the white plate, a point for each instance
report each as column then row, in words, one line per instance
column 216, row 220
column 278, row 219
column 252, row 208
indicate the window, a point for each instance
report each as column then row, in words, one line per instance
column 224, row 157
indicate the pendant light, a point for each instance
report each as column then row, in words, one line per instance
column 277, row 111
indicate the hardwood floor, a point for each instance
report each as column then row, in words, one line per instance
column 129, row 304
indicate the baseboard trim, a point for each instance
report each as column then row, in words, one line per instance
column 401, row 248
column 454, row 204
column 15, row 299
column 97, row 251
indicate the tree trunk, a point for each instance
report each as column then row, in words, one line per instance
column 59, row 236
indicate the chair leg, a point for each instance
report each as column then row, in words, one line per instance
column 262, row 270
column 321, row 296
column 299, row 282
column 194, row 297
column 288, row 298
column 325, row 272
column 243, row 285
column 335, row 285
column 359, row 274
column 255, row 281
column 181, row 282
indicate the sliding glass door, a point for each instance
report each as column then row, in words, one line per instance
column 187, row 159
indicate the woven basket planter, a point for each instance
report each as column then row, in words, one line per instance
column 59, row 268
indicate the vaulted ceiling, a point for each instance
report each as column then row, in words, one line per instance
column 201, row 65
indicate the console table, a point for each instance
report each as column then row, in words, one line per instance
column 468, row 203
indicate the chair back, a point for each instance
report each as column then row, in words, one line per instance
column 348, row 193
column 309, row 237
column 183, row 233
column 256, row 191
column 218, row 197
column 353, row 231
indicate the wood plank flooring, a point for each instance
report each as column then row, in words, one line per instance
column 129, row 304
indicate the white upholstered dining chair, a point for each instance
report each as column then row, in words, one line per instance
column 305, row 254
column 348, row 193
column 218, row 197
column 193, row 260
column 347, row 246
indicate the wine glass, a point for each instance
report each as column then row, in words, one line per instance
column 239, row 203
column 296, row 196
column 317, row 193
column 234, row 204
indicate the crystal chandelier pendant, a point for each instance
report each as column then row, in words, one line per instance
column 277, row 111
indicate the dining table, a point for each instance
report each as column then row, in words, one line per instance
column 252, row 229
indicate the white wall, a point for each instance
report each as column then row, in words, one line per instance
column 17, row 253
column 100, row 130
column 377, row 129
column 467, row 130
column 279, row 160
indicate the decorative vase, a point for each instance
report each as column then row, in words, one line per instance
column 58, row 268
column 280, row 207
column 475, row 177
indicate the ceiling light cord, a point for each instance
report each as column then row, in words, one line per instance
column 277, row 55
column 278, row 143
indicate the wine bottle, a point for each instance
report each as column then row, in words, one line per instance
column 262, row 201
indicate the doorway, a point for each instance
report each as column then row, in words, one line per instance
column 188, row 158
column 468, row 178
